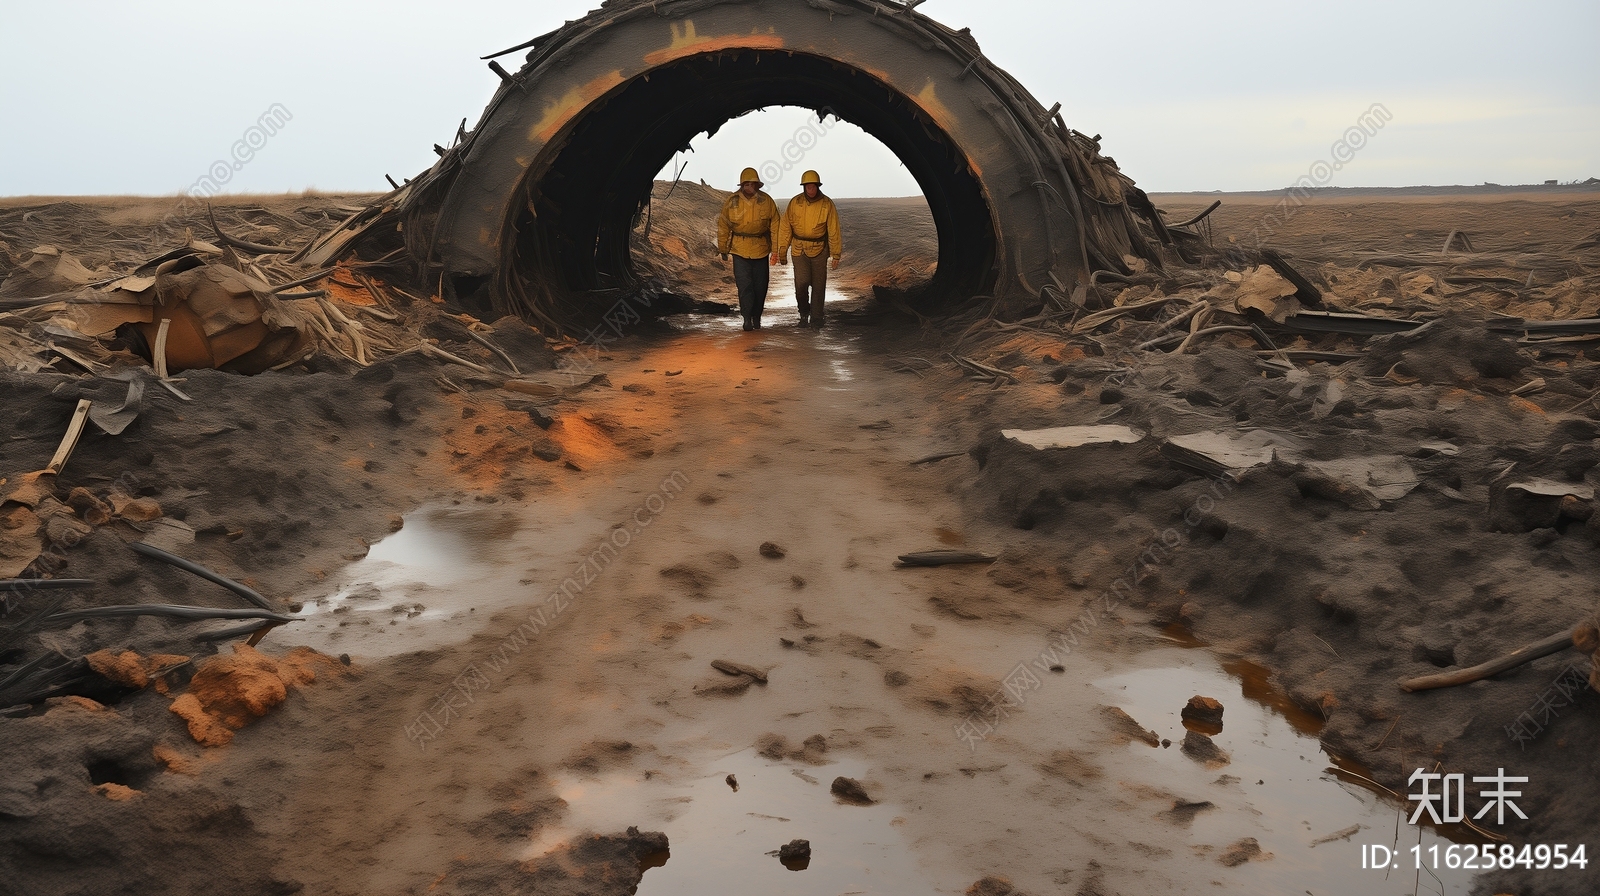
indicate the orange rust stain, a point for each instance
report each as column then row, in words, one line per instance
column 928, row 99
column 492, row 443
column 117, row 793
column 342, row 286
column 177, row 763
column 1522, row 404
column 686, row 42
column 1036, row 347
column 881, row 75
column 584, row 439
column 558, row 113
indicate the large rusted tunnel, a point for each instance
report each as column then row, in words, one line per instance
column 531, row 211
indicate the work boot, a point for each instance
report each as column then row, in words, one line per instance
column 748, row 326
column 757, row 322
column 804, row 321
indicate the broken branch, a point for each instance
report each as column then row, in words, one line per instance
column 1553, row 644
column 189, row 566
column 256, row 248
column 169, row 610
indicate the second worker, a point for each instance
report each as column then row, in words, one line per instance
column 811, row 224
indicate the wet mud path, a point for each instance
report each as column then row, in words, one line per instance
column 503, row 719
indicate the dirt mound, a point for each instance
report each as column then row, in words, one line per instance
column 131, row 670
column 43, row 272
column 676, row 241
column 1035, row 488
column 229, row 692
column 85, row 809
column 1456, row 349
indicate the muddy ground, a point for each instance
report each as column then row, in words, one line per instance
column 529, row 703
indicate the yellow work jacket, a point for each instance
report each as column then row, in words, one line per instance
column 812, row 225
column 748, row 227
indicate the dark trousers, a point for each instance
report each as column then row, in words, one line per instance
column 810, row 282
column 751, row 276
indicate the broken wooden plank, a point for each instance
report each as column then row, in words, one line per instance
column 1304, row 290
column 935, row 458
column 434, row 351
column 1075, row 436
column 1346, row 324
column 69, row 441
column 158, row 355
column 536, row 389
column 729, row 667
column 944, row 557
column 1198, row 218
column 235, row 243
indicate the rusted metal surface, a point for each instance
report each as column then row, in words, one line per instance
column 532, row 208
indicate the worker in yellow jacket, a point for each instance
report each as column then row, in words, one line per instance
column 811, row 225
column 748, row 229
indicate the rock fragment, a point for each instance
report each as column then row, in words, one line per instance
column 1242, row 851
column 795, row 855
column 849, row 790
column 1205, row 710
column 1200, row 748
column 1124, row 729
column 1184, row 811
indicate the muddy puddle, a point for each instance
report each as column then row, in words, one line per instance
column 720, row 834
column 448, row 566
column 1276, row 784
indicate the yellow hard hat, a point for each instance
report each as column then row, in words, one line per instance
column 810, row 177
column 748, row 175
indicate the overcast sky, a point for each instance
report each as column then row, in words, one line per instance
column 120, row 97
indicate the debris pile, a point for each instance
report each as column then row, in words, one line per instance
column 1375, row 493
column 224, row 302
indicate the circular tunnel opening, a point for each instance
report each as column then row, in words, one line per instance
column 890, row 243
column 580, row 200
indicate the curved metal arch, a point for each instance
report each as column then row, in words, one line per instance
column 535, row 202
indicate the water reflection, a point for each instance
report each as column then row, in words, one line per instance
column 726, row 840
column 1275, row 785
